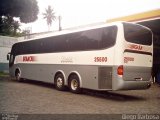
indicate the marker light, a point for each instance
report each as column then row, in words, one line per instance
column 120, row 70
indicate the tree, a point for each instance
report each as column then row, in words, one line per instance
column 26, row 10
column 6, row 25
column 15, row 26
column 49, row 15
column 9, row 26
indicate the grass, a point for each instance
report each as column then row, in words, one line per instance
column 3, row 74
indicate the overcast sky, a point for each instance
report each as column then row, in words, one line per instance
column 81, row 12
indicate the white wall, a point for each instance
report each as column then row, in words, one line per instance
column 5, row 47
column 3, row 54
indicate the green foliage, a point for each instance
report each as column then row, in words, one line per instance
column 49, row 15
column 3, row 74
column 25, row 10
column 9, row 26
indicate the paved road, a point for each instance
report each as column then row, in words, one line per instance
column 40, row 98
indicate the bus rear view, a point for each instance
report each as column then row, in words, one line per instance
column 134, row 71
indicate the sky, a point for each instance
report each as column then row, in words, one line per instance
column 82, row 12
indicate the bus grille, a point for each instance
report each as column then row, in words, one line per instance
column 105, row 77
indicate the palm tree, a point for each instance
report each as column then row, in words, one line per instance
column 49, row 15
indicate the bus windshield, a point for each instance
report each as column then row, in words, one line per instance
column 137, row 34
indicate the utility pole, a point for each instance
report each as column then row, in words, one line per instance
column 59, row 19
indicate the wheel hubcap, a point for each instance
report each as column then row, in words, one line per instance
column 74, row 84
column 59, row 82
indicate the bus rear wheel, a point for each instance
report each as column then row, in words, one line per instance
column 74, row 84
column 59, row 82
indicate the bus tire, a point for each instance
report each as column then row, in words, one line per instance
column 18, row 75
column 74, row 84
column 59, row 82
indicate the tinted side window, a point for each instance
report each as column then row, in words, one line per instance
column 137, row 34
column 76, row 41
column 109, row 37
column 94, row 39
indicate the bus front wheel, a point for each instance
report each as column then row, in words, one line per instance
column 18, row 76
column 59, row 82
column 74, row 84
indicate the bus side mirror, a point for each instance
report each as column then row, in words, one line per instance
column 8, row 56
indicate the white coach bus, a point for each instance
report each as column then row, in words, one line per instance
column 106, row 57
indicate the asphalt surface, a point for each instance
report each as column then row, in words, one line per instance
column 32, row 97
